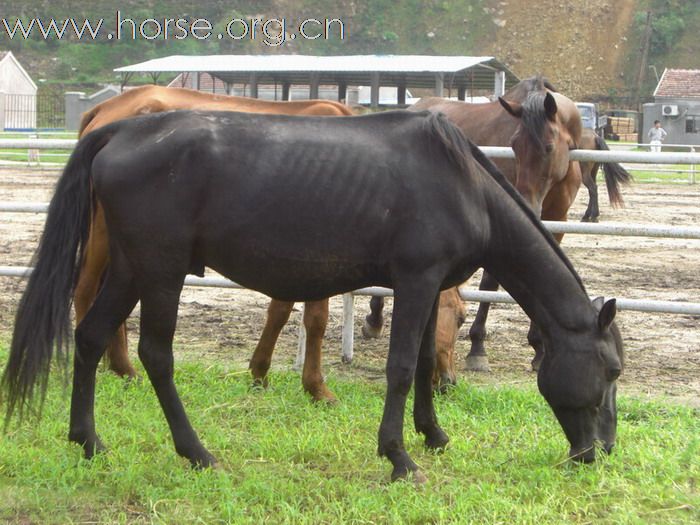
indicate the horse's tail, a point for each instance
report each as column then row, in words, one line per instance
column 614, row 175
column 42, row 322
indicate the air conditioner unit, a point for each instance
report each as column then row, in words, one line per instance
column 669, row 110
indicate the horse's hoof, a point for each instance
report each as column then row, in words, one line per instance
column 92, row 449
column 437, row 440
column 478, row 363
column 204, row 461
column 324, row 396
column 259, row 383
column 346, row 360
column 371, row 332
column 404, row 474
column 419, row 478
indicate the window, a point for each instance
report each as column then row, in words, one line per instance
column 692, row 124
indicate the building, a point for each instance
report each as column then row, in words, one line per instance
column 17, row 95
column 78, row 103
column 442, row 75
column 677, row 105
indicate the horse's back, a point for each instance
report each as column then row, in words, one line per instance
column 306, row 198
column 144, row 100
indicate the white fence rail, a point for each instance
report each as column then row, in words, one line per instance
column 491, row 151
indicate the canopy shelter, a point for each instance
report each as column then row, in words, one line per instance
column 463, row 74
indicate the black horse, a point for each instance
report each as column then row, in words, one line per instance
column 614, row 175
column 303, row 208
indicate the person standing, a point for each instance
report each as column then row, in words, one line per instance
column 656, row 135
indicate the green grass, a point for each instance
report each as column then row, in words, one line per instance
column 284, row 460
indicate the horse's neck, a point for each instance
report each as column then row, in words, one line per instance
column 527, row 265
column 487, row 124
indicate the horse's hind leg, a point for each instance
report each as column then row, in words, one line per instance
column 112, row 306
column 374, row 322
column 589, row 172
column 93, row 268
column 315, row 321
column 277, row 316
column 476, row 358
column 159, row 306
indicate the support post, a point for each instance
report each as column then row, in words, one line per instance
column 253, row 85
column 439, row 84
column 313, row 85
column 401, row 95
column 348, row 327
column 374, row 90
column 499, row 83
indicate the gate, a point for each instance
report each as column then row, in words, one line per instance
column 31, row 112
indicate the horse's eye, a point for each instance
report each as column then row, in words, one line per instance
column 549, row 148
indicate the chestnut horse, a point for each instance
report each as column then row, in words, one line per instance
column 541, row 126
column 614, row 175
column 154, row 99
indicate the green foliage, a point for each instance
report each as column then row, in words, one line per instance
column 284, row 460
column 667, row 22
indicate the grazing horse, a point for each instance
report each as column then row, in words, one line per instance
column 303, row 208
column 541, row 126
column 614, row 175
column 155, row 99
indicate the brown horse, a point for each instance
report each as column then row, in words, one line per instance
column 155, row 99
column 614, row 175
column 542, row 126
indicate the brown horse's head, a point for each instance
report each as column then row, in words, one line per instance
column 451, row 317
column 541, row 144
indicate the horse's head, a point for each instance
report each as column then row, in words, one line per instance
column 451, row 317
column 541, row 144
column 579, row 383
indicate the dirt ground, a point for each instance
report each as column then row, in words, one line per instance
column 663, row 350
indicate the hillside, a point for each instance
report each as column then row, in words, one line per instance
column 588, row 49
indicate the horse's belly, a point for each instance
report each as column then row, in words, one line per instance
column 295, row 279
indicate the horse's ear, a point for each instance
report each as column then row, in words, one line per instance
column 550, row 106
column 606, row 312
column 514, row 108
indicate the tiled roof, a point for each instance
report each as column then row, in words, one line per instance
column 679, row 83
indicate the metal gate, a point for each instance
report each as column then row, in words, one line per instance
column 31, row 112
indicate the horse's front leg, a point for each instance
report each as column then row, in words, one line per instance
column 477, row 361
column 374, row 322
column 413, row 306
column 315, row 321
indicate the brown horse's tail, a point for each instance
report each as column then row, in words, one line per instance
column 86, row 119
column 42, row 322
column 615, row 174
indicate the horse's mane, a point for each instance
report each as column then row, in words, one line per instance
column 534, row 117
column 459, row 150
column 520, row 91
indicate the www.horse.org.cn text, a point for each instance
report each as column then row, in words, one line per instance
column 272, row 32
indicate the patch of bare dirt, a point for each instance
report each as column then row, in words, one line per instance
column 663, row 350
column 579, row 46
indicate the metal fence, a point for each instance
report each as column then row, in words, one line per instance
column 31, row 112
